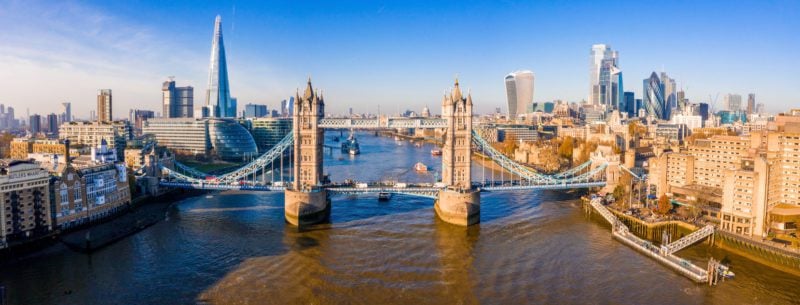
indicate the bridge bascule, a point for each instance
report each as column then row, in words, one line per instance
column 456, row 197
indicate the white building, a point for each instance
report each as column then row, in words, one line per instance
column 519, row 91
column 691, row 121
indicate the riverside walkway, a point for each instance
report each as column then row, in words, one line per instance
column 621, row 232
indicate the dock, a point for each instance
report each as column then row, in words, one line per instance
column 665, row 253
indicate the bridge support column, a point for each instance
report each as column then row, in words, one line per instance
column 461, row 208
column 306, row 207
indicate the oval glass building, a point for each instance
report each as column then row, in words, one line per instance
column 231, row 141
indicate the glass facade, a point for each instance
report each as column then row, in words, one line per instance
column 267, row 132
column 231, row 141
column 218, row 97
column 654, row 103
column 519, row 91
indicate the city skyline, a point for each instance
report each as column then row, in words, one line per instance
column 270, row 53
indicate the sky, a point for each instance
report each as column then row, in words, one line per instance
column 390, row 56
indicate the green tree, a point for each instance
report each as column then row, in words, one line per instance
column 664, row 205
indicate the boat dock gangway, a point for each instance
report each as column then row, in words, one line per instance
column 621, row 232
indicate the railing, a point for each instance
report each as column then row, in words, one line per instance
column 381, row 123
column 688, row 240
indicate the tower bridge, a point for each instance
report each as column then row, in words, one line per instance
column 456, row 197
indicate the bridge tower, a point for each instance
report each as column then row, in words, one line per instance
column 458, row 203
column 306, row 202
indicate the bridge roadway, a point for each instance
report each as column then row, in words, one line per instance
column 427, row 190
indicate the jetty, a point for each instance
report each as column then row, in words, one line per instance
column 664, row 253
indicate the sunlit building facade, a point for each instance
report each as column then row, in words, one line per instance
column 519, row 91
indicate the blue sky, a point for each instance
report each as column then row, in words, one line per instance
column 397, row 54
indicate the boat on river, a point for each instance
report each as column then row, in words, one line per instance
column 420, row 167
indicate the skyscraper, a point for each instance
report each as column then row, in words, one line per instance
column 733, row 102
column 670, row 91
column 630, row 104
column 751, row 103
column 255, row 111
column 66, row 116
column 653, row 97
column 218, row 97
column 35, row 124
column 178, row 102
column 519, row 91
column 702, row 110
column 104, row 105
column 604, row 77
column 52, row 124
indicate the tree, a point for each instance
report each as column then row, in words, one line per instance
column 664, row 205
column 566, row 148
column 619, row 192
column 510, row 145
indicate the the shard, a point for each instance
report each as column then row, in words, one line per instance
column 218, row 96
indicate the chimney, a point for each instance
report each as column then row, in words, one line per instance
column 66, row 152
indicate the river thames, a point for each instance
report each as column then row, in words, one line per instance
column 535, row 247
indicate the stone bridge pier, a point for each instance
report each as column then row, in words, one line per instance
column 458, row 203
column 305, row 201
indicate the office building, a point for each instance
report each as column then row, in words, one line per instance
column 66, row 114
column 653, row 97
column 138, row 117
column 7, row 119
column 751, row 104
column 519, row 92
column 184, row 136
column 35, row 124
column 630, row 104
column 267, row 132
column 670, row 95
column 605, row 78
column 178, row 102
column 224, row 139
column 703, row 111
column 24, row 201
column 218, row 98
column 255, row 111
column 52, row 124
column 104, row 105
column 733, row 102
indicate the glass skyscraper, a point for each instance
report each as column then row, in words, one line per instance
column 519, row 91
column 218, row 97
column 178, row 102
column 605, row 77
column 653, row 97
column 630, row 105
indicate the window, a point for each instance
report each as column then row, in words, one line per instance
column 64, row 194
column 77, row 191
